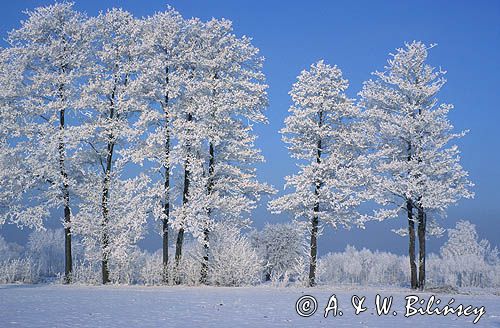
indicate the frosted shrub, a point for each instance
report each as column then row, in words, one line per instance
column 19, row 270
column 302, row 266
column 386, row 269
column 233, row 260
column 362, row 267
column 14, row 268
column 436, row 272
column 125, row 268
column 281, row 247
column 151, row 270
column 88, row 273
column 189, row 270
column 468, row 270
column 46, row 247
column 9, row 251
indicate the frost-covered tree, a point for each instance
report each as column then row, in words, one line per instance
column 463, row 240
column 45, row 61
column 113, row 209
column 224, row 93
column 466, row 257
column 234, row 94
column 416, row 168
column 321, row 135
column 159, row 84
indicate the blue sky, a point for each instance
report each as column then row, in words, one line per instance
column 358, row 37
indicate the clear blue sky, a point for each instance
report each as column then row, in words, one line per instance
column 358, row 36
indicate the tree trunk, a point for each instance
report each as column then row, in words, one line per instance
column 185, row 194
column 105, row 212
column 206, row 231
column 411, row 245
column 68, row 259
column 210, row 184
column 421, row 244
column 105, row 196
column 180, row 234
column 206, row 250
column 314, row 249
column 166, row 211
column 315, row 218
column 166, row 186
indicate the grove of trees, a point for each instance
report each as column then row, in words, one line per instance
column 110, row 122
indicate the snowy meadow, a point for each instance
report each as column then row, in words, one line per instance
column 133, row 306
column 111, row 124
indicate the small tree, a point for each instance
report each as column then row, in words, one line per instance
column 467, row 256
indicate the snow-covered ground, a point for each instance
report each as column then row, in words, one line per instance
column 134, row 306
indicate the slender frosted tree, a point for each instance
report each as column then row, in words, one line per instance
column 235, row 94
column 321, row 135
column 187, row 130
column 110, row 104
column 160, row 84
column 225, row 92
column 416, row 166
column 48, row 53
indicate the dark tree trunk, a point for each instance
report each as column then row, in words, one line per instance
column 421, row 218
column 411, row 245
column 411, row 233
column 210, row 185
column 206, row 231
column 185, row 194
column 68, row 259
column 314, row 248
column 206, row 250
column 421, row 244
column 166, row 186
column 180, row 233
column 315, row 218
column 166, row 210
column 105, row 212
column 105, row 195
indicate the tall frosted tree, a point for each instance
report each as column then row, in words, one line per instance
column 235, row 94
column 48, row 53
column 109, row 104
column 160, row 84
column 225, row 92
column 321, row 134
column 187, row 130
column 416, row 166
